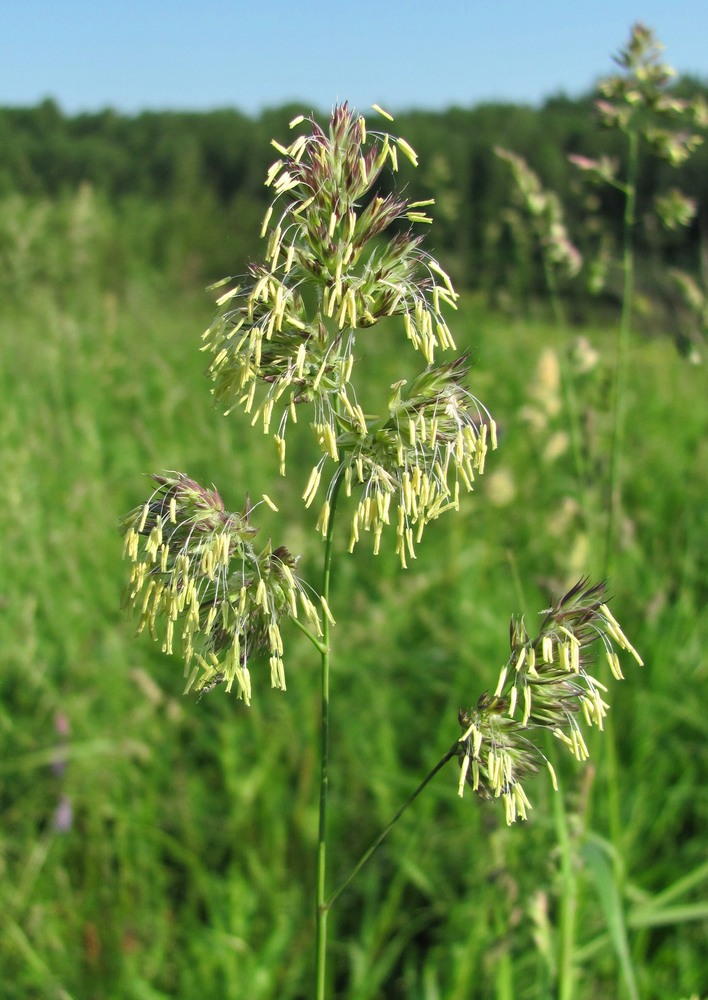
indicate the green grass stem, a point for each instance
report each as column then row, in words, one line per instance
column 322, row 908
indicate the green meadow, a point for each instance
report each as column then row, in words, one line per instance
column 158, row 846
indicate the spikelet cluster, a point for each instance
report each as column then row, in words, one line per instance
column 638, row 100
column 341, row 257
column 546, row 215
column 197, row 577
column 409, row 466
column 545, row 685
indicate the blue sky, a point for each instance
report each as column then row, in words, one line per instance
column 138, row 54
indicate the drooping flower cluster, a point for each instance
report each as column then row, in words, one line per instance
column 434, row 438
column 195, row 568
column 543, row 686
column 637, row 98
column 638, row 102
column 546, row 214
column 284, row 338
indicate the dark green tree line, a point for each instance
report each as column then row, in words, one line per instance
column 196, row 178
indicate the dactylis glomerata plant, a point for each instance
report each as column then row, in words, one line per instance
column 340, row 258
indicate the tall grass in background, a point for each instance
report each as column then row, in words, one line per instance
column 635, row 103
column 122, row 872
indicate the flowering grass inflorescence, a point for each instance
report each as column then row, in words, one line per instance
column 194, row 564
column 285, row 338
column 546, row 213
column 638, row 102
column 340, row 258
column 545, row 686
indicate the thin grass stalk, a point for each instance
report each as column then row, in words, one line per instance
column 567, row 958
column 322, row 907
column 614, row 500
column 373, row 847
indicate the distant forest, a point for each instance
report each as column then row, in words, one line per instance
column 186, row 191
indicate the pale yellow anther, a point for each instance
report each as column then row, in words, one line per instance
column 500, row 682
column 588, row 710
column 275, row 639
column 274, row 244
column 323, row 520
column 575, row 657
column 262, row 595
column 348, row 481
column 148, row 594
column 330, row 442
column 362, row 171
column 248, row 398
column 328, row 613
column 513, row 696
column 303, row 205
column 522, row 802
column 464, row 768
column 467, row 733
column 169, row 635
column 415, row 216
column 312, row 485
column 351, row 307
column 565, row 655
column 277, row 673
column 131, row 545
column 285, row 183
column 466, row 478
column 384, row 114
column 614, row 661
column 408, row 151
column 365, row 507
column 143, row 518
column 527, row 706
column 267, row 414
column 280, row 449
column 273, row 172
column 319, row 376
column 354, row 533
column 560, row 735
column 347, row 368
column 494, row 769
